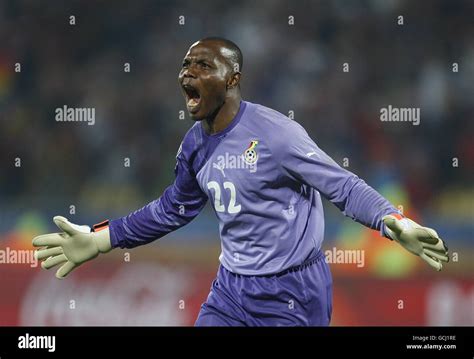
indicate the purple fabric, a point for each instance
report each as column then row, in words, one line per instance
column 264, row 177
column 298, row 297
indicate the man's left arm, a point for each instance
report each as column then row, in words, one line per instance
column 304, row 161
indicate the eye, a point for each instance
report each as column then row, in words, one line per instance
column 204, row 65
column 185, row 64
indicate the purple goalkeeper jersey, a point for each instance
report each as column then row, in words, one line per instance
column 264, row 177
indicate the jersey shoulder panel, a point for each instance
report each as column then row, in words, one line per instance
column 278, row 130
column 190, row 149
column 190, row 143
column 196, row 148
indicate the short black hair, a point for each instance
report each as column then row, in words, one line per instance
column 236, row 56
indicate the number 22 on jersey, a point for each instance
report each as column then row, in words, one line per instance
column 218, row 205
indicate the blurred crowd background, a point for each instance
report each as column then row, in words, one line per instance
column 294, row 53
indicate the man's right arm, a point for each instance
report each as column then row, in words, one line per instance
column 177, row 206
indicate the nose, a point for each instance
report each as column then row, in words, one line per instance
column 188, row 73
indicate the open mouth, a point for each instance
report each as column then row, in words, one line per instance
column 193, row 98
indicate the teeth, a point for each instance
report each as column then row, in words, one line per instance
column 192, row 102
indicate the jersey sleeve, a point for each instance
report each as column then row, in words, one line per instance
column 302, row 160
column 177, row 206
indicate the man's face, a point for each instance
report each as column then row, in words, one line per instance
column 203, row 79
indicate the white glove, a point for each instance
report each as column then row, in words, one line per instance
column 422, row 241
column 74, row 246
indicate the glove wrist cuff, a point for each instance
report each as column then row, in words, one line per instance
column 101, row 235
column 397, row 215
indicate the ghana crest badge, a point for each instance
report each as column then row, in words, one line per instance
column 250, row 155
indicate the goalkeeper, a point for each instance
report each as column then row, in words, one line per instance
column 268, row 206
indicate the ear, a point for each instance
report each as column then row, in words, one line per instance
column 234, row 80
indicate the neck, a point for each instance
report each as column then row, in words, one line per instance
column 224, row 116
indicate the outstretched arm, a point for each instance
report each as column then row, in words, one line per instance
column 304, row 161
column 178, row 205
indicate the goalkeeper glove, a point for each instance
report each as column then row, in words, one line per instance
column 422, row 241
column 74, row 246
